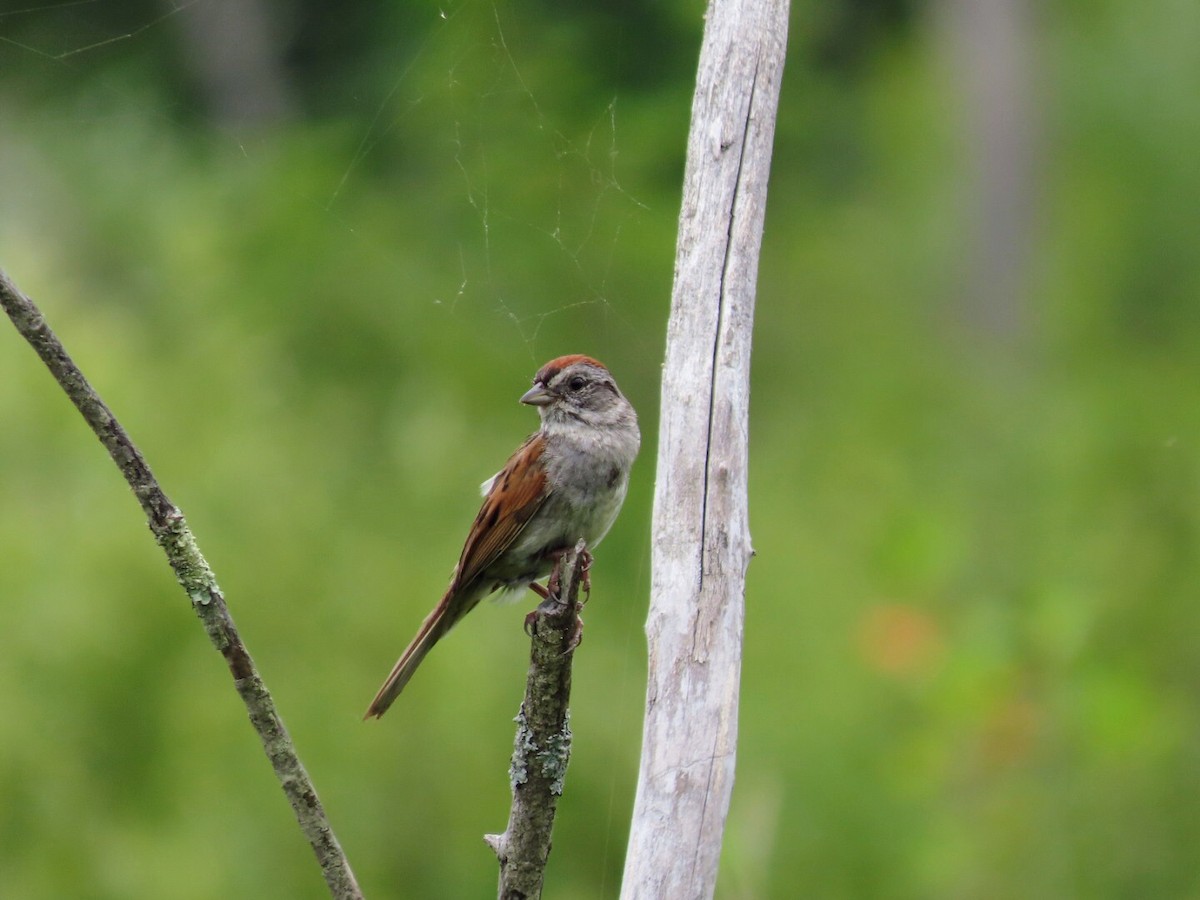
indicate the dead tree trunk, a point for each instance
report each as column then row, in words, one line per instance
column 701, row 541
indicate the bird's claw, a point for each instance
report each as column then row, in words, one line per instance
column 576, row 635
column 531, row 617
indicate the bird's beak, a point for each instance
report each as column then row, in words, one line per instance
column 537, row 396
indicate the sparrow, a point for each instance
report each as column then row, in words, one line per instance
column 566, row 482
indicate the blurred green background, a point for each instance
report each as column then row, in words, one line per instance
column 312, row 254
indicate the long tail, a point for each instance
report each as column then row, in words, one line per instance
column 452, row 607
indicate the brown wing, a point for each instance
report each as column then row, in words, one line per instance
column 517, row 492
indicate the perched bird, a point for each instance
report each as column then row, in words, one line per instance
column 566, row 482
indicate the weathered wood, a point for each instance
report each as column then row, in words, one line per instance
column 701, row 542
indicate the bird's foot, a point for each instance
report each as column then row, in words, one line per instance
column 551, row 593
column 547, row 598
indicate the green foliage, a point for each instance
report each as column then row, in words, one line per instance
column 970, row 637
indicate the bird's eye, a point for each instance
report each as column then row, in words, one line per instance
column 577, row 383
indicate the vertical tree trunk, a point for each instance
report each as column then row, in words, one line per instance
column 234, row 51
column 987, row 44
column 701, row 541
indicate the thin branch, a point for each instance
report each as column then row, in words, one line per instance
column 543, row 744
column 175, row 538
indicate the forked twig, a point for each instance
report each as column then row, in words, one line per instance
column 543, row 743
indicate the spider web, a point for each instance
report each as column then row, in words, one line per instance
column 584, row 230
column 465, row 81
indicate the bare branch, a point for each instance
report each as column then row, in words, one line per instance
column 175, row 538
column 701, row 539
column 543, row 744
